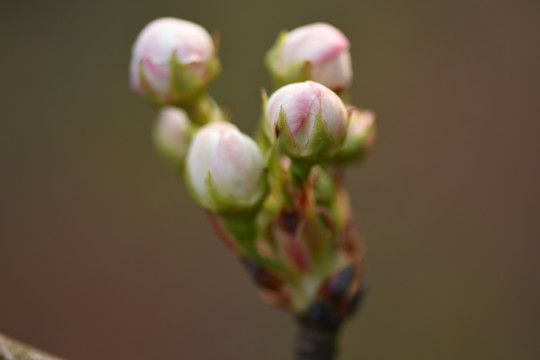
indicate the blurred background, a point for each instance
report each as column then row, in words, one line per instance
column 104, row 256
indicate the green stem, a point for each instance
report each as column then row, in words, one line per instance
column 299, row 173
column 200, row 110
column 320, row 241
column 244, row 230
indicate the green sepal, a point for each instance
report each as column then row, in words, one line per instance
column 320, row 144
column 296, row 72
column 186, row 85
column 357, row 149
column 320, row 147
column 284, row 137
column 228, row 204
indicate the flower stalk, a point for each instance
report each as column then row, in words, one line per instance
column 315, row 344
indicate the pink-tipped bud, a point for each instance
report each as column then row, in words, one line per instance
column 225, row 169
column 360, row 135
column 307, row 119
column 172, row 135
column 172, row 60
column 361, row 124
column 317, row 52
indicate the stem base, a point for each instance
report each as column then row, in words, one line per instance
column 315, row 344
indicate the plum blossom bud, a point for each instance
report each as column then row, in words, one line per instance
column 360, row 135
column 172, row 134
column 307, row 119
column 172, row 61
column 224, row 169
column 317, row 52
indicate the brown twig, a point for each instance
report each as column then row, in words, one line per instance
column 14, row 350
column 314, row 343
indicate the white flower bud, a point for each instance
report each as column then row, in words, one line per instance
column 172, row 134
column 317, row 52
column 172, row 61
column 224, row 169
column 307, row 119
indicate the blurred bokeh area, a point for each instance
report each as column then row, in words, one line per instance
column 103, row 255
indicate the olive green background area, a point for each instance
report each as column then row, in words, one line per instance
column 104, row 256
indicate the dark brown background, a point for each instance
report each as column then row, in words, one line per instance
column 104, row 256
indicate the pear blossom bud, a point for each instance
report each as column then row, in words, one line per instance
column 360, row 135
column 317, row 52
column 307, row 119
column 172, row 134
column 172, row 61
column 224, row 169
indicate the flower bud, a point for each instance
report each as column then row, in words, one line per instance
column 172, row 134
column 224, row 169
column 360, row 135
column 317, row 52
column 307, row 119
column 172, row 61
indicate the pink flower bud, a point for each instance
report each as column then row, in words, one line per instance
column 153, row 66
column 171, row 134
column 360, row 136
column 307, row 119
column 361, row 124
column 321, row 48
column 225, row 168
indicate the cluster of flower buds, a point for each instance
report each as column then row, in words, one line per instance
column 279, row 203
